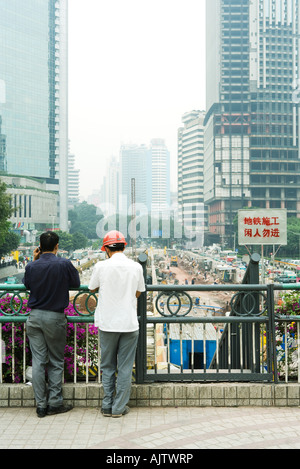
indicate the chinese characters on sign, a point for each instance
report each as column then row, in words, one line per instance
column 262, row 226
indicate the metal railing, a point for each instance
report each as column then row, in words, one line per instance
column 187, row 342
column 82, row 353
column 248, row 345
column 180, row 339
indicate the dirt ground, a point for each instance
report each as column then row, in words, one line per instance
column 220, row 299
column 81, row 303
column 208, row 298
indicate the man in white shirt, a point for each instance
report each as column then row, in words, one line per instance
column 120, row 282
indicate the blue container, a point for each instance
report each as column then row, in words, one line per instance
column 186, row 353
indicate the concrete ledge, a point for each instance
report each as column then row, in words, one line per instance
column 167, row 395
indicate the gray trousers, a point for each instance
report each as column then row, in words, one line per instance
column 117, row 355
column 46, row 331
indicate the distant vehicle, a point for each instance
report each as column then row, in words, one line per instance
column 79, row 254
column 285, row 280
column 228, row 256
column 287, row 276
column 11, row 281
column 173, row 257
column 290, row 273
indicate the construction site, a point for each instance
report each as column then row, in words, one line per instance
column 173, row 346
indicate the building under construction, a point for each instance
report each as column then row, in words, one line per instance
column 252, row 144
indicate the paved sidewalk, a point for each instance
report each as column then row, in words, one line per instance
column 153, row 428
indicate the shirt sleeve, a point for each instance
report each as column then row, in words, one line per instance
column 94, row 280
column 74, row 278
column 26, row 278
column 141, row 281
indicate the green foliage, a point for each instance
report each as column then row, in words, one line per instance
column 97, row 245
column 11, row 243
column 79, row 241
column 287, row 334
column 14, row 356
column 65, row 241
column 84, row 220
column 293, row 237
column 71, row 242
column 5, row 213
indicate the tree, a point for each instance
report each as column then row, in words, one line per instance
column 84, row 219
column 71, row 242
column 5, row 213
column 65, row 241
column 293, row 237
column 9, row 241
column 79, row 241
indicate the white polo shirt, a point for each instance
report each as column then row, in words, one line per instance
column 118, row 280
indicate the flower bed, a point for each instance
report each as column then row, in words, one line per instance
column 287, row 335
column 16, row 343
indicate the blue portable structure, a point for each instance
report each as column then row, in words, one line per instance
column 187, row 351
column 192, row 340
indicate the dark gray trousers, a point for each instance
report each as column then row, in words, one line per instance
column 46, row 331
column 117, row 355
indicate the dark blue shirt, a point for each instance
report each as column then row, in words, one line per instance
column 49, row 279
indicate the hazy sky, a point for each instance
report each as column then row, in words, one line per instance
column 135, row 67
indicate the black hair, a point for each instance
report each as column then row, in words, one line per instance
column 48, row 241
column 116, row 247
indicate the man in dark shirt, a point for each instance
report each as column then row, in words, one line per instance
column 49, row 279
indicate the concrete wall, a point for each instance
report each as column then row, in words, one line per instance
column 167, row 395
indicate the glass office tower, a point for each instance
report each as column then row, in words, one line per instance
column 158, row 176
column 190, row 169
column 252, row 144
column 33, row 92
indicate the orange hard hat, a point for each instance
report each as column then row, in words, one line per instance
column 112, row 238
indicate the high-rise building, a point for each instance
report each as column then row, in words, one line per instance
column 252, row 137
column 133, row 164
column 190, row 169
column 33, row 94
column 2, row 149
column 73, row 182
column 109, row 194
column 150, row 167
column 158, row 176
column 113, row 175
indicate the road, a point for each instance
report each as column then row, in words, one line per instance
column 207, row 298
column 219, row 299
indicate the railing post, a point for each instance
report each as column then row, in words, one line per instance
column 254, row 280
column 253, row 270
column 251, row 277
column 272, row 332
column 141, row 353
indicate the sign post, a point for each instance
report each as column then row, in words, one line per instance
column 262, row 227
